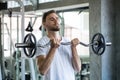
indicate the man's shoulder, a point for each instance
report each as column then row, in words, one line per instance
column 43, row 40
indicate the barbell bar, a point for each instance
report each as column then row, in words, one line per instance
column 29, row 45
column 20, row 45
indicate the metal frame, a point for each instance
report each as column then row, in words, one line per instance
column 22, row 29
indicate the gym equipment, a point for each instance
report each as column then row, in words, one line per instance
column 31, row 48
column 29, row 45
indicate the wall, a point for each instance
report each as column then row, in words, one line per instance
column 117, row 38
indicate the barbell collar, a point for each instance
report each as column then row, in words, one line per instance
column 108, row 43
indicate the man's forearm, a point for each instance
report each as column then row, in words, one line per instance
column 47, row 61
column 75, row 59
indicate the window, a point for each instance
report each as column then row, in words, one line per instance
column 77, row 26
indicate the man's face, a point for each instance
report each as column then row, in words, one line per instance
column 52, row 22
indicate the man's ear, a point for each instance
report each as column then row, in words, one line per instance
column 42, row 27
column 43, row 23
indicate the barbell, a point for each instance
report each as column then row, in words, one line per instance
column 29, row 44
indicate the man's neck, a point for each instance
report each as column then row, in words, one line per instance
column 54, row 35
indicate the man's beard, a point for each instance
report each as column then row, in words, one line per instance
column 54, row 29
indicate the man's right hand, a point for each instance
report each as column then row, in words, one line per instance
column 55, row 43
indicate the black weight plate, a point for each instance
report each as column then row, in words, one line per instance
column 99, row 44
column 30, row 39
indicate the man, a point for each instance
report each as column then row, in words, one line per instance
column 56, row 61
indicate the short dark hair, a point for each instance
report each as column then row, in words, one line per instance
column 46, row 14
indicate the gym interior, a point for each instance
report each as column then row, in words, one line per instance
column 82, row 19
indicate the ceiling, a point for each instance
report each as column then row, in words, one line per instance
column 40, row 5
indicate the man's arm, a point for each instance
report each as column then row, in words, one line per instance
column 44, row 61
column 75, row 58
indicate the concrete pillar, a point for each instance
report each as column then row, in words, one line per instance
column 0, row 44
column 95, row 27
column 117, row 38
column 102, row 19
column 108, row 29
